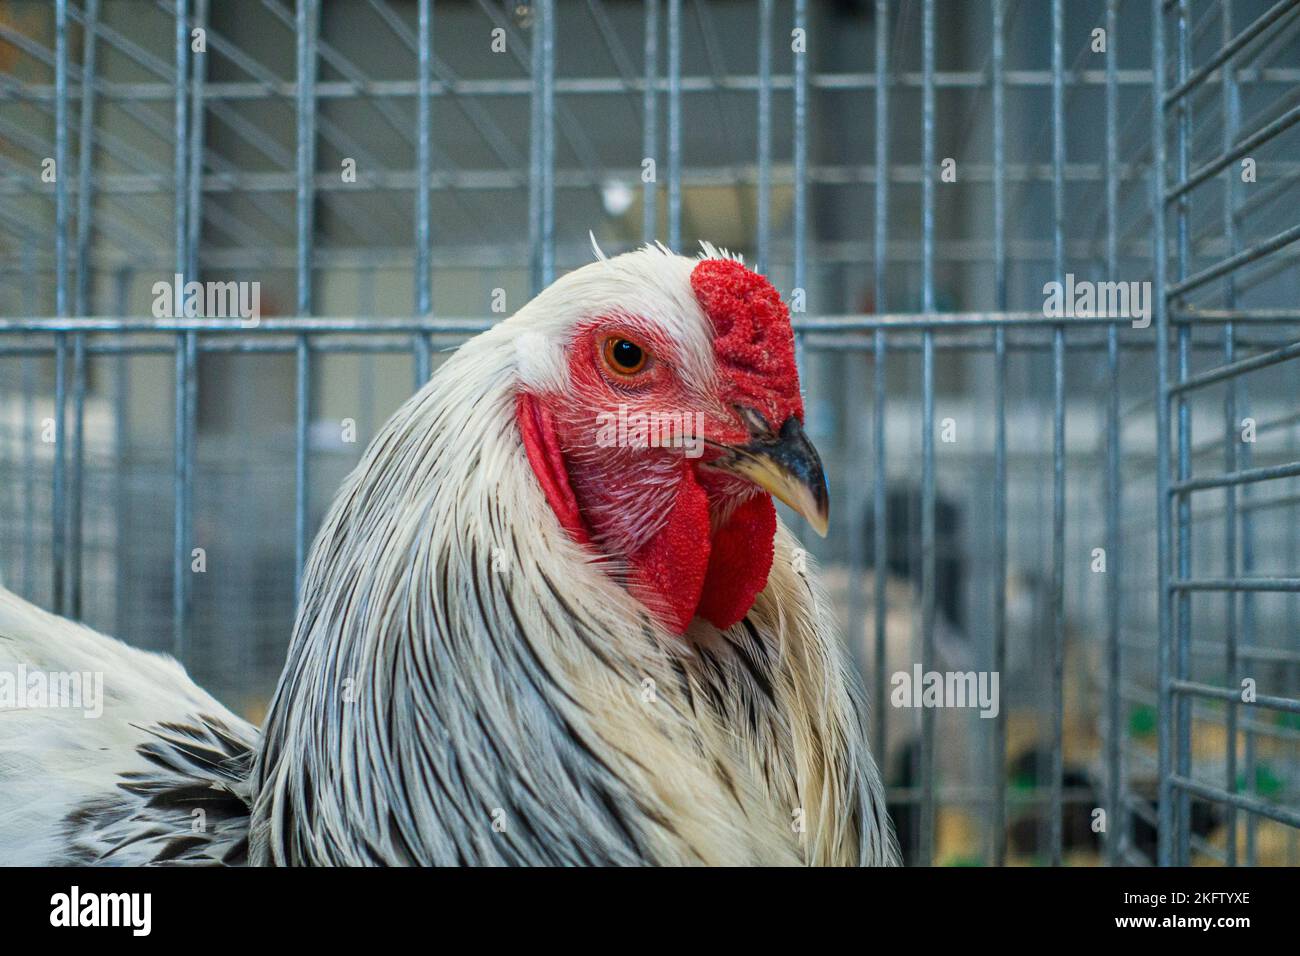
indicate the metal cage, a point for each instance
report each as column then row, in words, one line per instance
column 1098, row 506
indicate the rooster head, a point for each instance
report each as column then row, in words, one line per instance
column 658, row 405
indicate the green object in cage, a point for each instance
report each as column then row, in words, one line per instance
column 1267, row 783
column 1024, row 781
column 1142, row 721
column 1288, row 720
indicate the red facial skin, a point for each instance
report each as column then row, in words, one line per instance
column 694, row 541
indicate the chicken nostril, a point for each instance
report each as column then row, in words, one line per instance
column 753, row 420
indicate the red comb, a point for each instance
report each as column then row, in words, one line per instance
column 753, row 340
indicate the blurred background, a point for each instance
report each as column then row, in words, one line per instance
column 910, row 175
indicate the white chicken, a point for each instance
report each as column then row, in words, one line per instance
column 526, row 635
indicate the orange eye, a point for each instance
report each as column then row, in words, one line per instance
column 623, row 356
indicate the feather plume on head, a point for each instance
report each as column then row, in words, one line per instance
column 516, row 644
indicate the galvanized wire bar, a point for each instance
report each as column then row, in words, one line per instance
column 424, row 170
column 1268, row 701
column 940, row 322
column 1231, row 116
column 764, row 216
column 194, row 231
column 1160, row 321
column 675, row 125
column 799, row 238
column 800, row 163
column 999, row 769
column 350, row 346
column 58, row 515
column 423, row 165
column 198, row 78
column 277, row 344
column 61, row 156
column 76, row 485
column 85, row 157
column 1214, row 649
column 1243, row 476
column 58, row 518
column 1253, row 584
column 180, row 438
column 27, row 373
column 1261, row 504
column 1254, row 805
column 1248, row 614
column 546, row 26
column 535, row 121
column 1189, row 181
column 1182, row 656
column 307, row 25
column 121, row 433
column 28, row 482
column 423, row 359
column 843, row 81
column 943, row 323
column 226, row 178
column 12, row 451
column 85, row 147
column 650, row 124
column 1201, row 316
column 179, row 464
column 573, row 253
column 299, row 325
column 1057, row 781
column 1118, row 824
column 1233, row 369
column 542, row 147
column 1273, row 425
column 1244, row 257
column 926, row 852
column 881, row 260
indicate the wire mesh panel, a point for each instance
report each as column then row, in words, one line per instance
column 1041, row 260
column 1227, row 253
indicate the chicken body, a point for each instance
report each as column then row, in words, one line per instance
column 468, row 682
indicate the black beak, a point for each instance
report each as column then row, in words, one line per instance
column 784, row 463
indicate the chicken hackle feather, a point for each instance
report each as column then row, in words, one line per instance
column 514, row 644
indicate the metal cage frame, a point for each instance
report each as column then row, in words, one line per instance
column 1175, row 82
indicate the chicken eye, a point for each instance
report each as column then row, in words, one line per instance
column 623, row 356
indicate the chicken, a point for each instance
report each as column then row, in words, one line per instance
column 530, row 630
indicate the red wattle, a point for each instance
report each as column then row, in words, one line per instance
column 543, row 450
column 739, row 562
column 668, row 572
